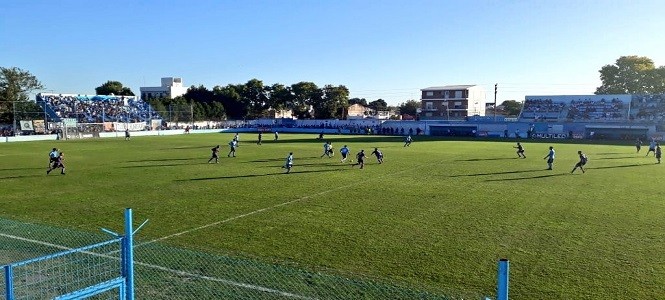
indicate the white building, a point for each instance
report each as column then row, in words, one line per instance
column 171, row 87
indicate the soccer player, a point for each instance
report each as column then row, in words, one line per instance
column 53, row 156
column 652, row 146
column 276, row 135
column 260, row 138
column 233, row 144
column 215, row 154
column 236, row 138
column 407, row 141
column 520, row 150
column 379, row 155
column 658, row 153
column 326, row 149
column 345, row 153
column 127, row 134
column 550, row 158
column 289, row 163
column 59, row 163
column 580, row 164
column 638, row 145
column 361, row 159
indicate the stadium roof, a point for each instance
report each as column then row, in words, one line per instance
column 448, row 87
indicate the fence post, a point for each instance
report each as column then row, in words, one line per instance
column 128, row 259
column 502, row 285
column 9, row 283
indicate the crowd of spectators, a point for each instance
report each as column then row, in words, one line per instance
column 98, row 109
column 648, row 108
column 601, row 110
column 542, row 109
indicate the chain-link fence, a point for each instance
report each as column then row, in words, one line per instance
column 165, row 272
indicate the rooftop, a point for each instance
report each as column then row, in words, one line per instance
column 448, row 87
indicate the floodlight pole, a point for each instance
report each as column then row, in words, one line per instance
column 496, row 86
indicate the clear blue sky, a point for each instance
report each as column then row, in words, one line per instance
column 378, row 49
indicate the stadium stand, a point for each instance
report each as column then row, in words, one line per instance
column 648, row 108
column 597, row 110
column 96, row 109
column 542, row 110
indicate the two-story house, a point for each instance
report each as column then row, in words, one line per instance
column 452, row 102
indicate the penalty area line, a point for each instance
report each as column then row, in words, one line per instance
column 278, row 205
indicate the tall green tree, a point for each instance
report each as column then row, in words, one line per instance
column 115, row 88
column 234, row 105
column 378, row 105
column 632, row 75
column 305, row 94
column 332, row 104
column 512, row 107
column 255, row 95
column 410, row 107
column 15, row 86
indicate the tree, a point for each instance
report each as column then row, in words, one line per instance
column 115, row 88
column 333, row 103
column 15, row 86
column 281, row 97
column 378, row 105
column 512, row 107
column 632, row 75
column 255, row 95
column 232, row 101
column 410, row 107
column 304, row 95
column 360, row 101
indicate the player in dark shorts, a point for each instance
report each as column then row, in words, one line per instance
column 638, row 145
column 233, row 144
column 53, row 156
column 652, row 147
column 520, row 150
column 59, row 163
column 215, row 154
column 580, row 164
column 260, row 138
column 659, row 153
column 379, row 155
column 550, row 158
column 361, row 159
column 127, row 137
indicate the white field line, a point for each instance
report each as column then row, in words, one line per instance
column 178, row 272
column 273, row 207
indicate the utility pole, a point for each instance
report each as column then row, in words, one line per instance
column 496, row 87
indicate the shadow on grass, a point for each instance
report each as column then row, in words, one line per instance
column 614, row 167
column 483, row 159
column 19, row 169
column 496, row 173
column 526, row 178
column 164, row 159
column 609, row 153
column 164, row 165
column 21, row 176
column 276, row 159
column 190, row 147
column 257, row 175
column 618, row 157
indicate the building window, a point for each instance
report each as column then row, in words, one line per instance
column 429, row 93
column 458, row 94
column 429, row 105
column 446, row 94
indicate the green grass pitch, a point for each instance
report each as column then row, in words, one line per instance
column 437, row 214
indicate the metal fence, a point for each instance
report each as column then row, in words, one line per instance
column 166, row 272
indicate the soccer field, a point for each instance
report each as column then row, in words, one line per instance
column 438, row 214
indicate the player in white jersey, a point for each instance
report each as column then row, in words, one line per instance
column 289, row 163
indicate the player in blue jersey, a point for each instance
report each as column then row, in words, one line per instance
column 327, row 149
column 379, row 155
column 580, row 164
column 344, row 151
column 233, row 145
column 289, row 163
column 652, row 147
column 53, row 156
column 550, row 158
